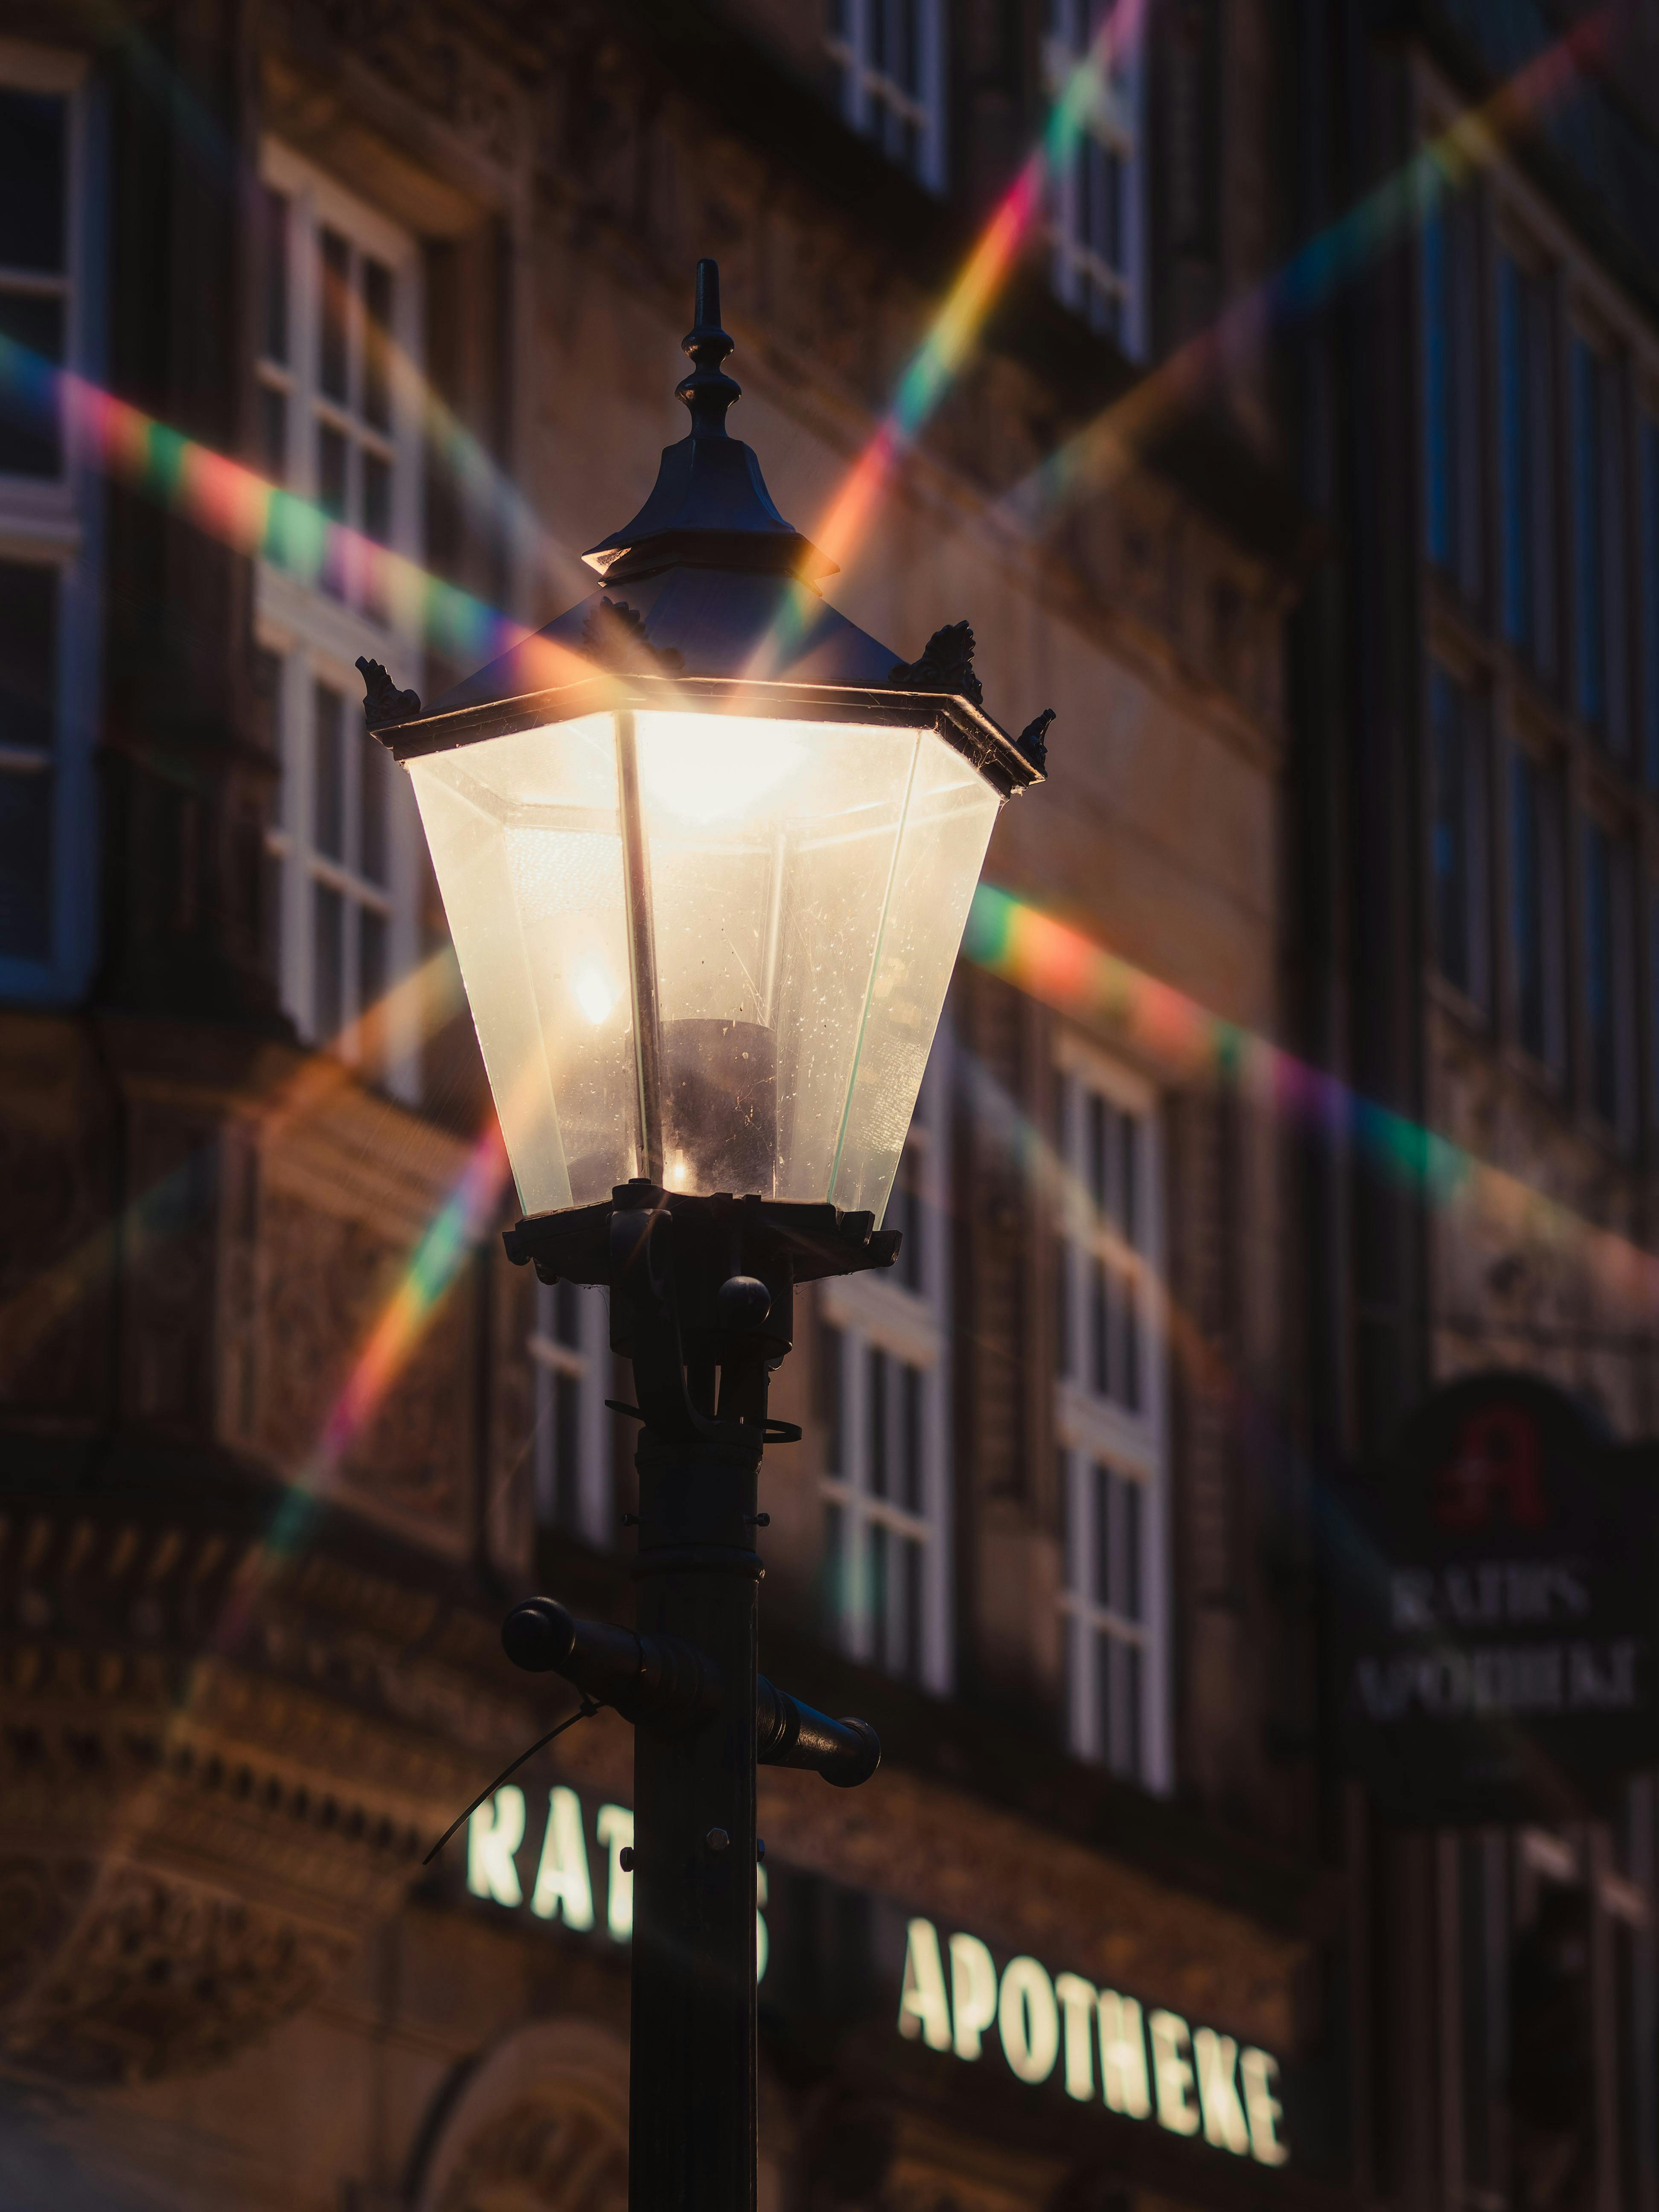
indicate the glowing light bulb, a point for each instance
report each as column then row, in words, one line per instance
column 703, row 769
column 679, row 1172
column 594, row 993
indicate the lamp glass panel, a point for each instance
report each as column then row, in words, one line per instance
column 808, row 884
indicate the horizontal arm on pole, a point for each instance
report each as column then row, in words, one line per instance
column 645, row 1678
column 664, row 1679
column 790, row 1734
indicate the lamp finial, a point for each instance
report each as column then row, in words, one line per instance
column 707, row 392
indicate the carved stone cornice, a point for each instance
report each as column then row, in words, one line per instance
column 219, row 1770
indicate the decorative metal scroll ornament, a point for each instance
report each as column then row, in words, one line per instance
column 383, row 702
column 614, row 636
column 1030, row 740
column 946, row 664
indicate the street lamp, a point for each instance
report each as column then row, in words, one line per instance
column 706, row 850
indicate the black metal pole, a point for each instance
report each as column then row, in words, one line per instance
column 693, row 2122
column 702, row 1294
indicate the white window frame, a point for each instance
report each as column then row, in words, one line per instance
column 875, row 1313
column 1091, row 1429
column 317, row 637
column 587, row 1364
column 59, row 523
column 868, row 94
column 1116, row 122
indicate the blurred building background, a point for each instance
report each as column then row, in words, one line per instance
column 1304, row 1054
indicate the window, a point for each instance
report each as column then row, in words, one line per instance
column 49, row 542
column 890, row 58
column 1096, row 194
column 336, row 323
column 882, row 1386
column 1458, row 741
column 339, row 321
column 572, row 1450
column 1608, row 978
column 1538, row 908
column 1111, row 1472
column 1600, row 686
column 1648, row 493
column 1526, row 407
column 1454, row 410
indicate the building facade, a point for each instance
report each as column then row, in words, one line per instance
column 1476, row 685
column 284, row 1432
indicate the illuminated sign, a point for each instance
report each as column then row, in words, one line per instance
column 561, row 1887
column 1492, row 1599
column 1191, row 2080
column 1102, row 2047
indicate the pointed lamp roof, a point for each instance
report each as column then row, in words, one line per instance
column 712, row 571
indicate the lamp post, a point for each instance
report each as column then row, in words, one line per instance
column 706, row 850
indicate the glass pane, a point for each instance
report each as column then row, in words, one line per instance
column 1100, row 1590
column 28, row 655
column 1527, row 903
column 31, row 443
column 1436, row 398
column 34, row 144
column 377, row 344
column 1128, row 1296
column 946, row 829
column 808, row 887
column 1451, row 833
column 831, row 1344
column 524, row 837
column 370, row 959
column 910, row 1659
column 332, row 343
column 331, row 472
column 910, row 1464
column 328, row 793
column 374, row 772
column 1129, row 1554
column 904, row 1214
column 834, row 1584
column 1129, row 1205
column 274, row 245
column 772, row 856
column 1124, row 1738
column 875, row 1412
column 1588, row 537
column 1096, row 1155
column 879, row 1539
column 1100, row 1338
column 1601, row 1015
column 1515, row 455
column 273, row 434
column 25, row 865
column 377, row 498
column 327, row 962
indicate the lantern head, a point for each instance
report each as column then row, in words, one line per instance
column 706, row 850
